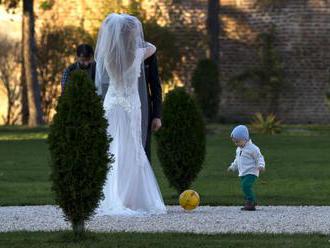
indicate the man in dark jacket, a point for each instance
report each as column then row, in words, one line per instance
column 154, row 98
column 85, row 61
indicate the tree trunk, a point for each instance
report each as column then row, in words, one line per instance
column 24, row 99
column 213, row 28
column 30, row 72
column 8, row 119
column 78, row 228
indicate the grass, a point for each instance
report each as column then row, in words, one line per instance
column 97, row 240
column 297, row 163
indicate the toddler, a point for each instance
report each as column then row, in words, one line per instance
column 248, row 162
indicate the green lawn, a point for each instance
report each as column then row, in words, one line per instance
column 167, row 240
column 298, row 168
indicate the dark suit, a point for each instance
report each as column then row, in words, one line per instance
column 154, row 95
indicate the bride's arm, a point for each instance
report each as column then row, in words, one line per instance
column 150, row 50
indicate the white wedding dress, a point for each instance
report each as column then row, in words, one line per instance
column 131, row 187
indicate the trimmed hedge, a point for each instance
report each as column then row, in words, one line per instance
column 79, row 146
column 181, row 140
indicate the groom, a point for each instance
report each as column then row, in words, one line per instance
column 154, row 99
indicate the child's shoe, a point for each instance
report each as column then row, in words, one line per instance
column 249, row 206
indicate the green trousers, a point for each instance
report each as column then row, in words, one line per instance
column 247, row 183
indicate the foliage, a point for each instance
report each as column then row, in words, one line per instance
column 266, row 124
column 47, row 4
column 78, row 145
column 181, row 140
column 55, row 52
column 168, row 54
column 205, row 81
column 266, row 80
column 9, row 64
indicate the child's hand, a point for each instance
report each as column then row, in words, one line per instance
column 229, row 169
column 261, row 168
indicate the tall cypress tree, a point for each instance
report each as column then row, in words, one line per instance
column 181, row 140
column 79, row 146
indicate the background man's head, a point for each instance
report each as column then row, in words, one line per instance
column 85, row 55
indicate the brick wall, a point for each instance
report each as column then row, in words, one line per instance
column 303, row 28
column 303, row 39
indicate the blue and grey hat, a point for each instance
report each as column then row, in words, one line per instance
column 240, row 132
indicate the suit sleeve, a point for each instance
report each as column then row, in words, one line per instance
column 155, row 87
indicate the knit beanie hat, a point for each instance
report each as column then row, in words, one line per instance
column 240, row 132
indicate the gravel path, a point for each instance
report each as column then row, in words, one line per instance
column 272, row 219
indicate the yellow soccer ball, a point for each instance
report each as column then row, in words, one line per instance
column 189, row 199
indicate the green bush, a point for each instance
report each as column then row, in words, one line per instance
column 267, row 125
column 181, row 140
column 205, row 81
column 78, row 144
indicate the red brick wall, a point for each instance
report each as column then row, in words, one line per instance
column 303, row 39
column 303, row 29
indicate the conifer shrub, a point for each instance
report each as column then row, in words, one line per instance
column 79, row 145
column 181, row 140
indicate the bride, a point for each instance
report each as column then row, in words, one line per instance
column 131, row 187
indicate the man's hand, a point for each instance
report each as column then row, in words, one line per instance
column 261, row 168
column 156, row 124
